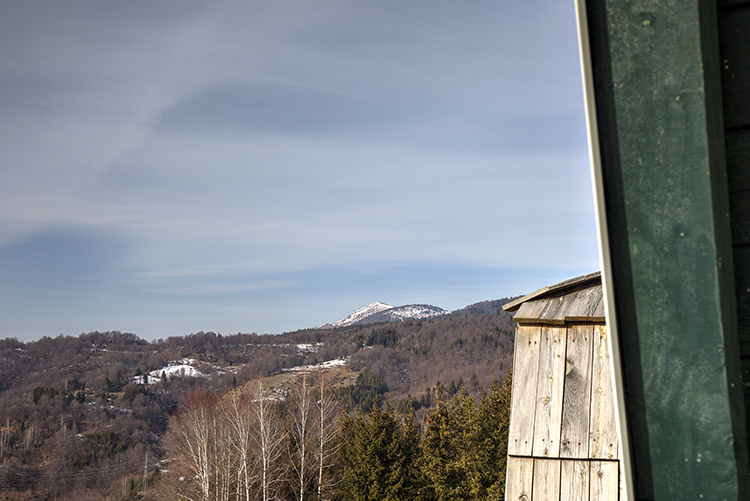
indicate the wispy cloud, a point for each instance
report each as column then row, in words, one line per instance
column 222, row 149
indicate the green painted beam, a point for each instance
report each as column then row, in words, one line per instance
column 658, row 115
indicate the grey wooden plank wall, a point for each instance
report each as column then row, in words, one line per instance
column 562, row 438
column 539, row 479
column 734, row 50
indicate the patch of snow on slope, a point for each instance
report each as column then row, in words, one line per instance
column 361, row 313
column 181, row 368
column 305, row 348
column 417, row 311
column 319, row 367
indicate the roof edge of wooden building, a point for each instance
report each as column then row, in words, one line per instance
column 578, row 299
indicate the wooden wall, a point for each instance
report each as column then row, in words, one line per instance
column 562, row 442
column 669, row 83
column 734, row 49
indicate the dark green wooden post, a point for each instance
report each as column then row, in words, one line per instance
column 665, row 214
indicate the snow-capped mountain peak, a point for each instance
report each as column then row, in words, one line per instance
column 380, row 312
column 361, row 313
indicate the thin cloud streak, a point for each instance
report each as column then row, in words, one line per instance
column 244, row 151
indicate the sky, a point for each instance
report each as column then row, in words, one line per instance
column 251, row 166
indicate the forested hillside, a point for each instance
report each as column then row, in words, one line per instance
column 83, row 417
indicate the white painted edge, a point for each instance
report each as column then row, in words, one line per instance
column 604, row 255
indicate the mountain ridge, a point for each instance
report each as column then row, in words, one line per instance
column 377, row 312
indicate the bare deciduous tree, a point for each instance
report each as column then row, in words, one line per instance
column 195, row 437
column 237, row 412
column 300, row 417
column 327, row 433
column 269, row 439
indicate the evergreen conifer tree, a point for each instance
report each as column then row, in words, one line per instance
column 465, row 446
column 380, row 458
column 492, row 441
column 440, row 461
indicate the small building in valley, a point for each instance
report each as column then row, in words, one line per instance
column 562, row 442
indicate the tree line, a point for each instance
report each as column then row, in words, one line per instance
column 254, row 445
column 58, row 395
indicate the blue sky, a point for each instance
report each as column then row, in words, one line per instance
column 171, row 167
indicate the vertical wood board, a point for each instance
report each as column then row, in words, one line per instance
column 519, row 478
column 602, row 428
column 734, row 41
column 523, row 397
column 549, row 392
column 546, row 480
column 604, row 480
column 574, row 435
column 574, row 480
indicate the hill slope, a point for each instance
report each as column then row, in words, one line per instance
column 60, row 397
column 380, row 312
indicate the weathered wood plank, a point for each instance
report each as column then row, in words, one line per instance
column 529, row 312
column 600, row 314
column 566, row 284
column 584, row 306
column 523, row 397
column 734, row 43
column 604, row 480
column 574, row 435
column 549, row 392
column 574, row 480
column 519, row 478
column 602, row 428
column 551, row 307
column 563, row 306
column 546, row 480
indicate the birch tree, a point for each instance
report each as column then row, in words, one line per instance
column 301, row 435
column 240, row 419
column 224, row 460
column 327, row 434
column 195, row 426
column 268, row 438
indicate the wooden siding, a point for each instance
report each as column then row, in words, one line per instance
column 523, row 396
column 734, row 53
column 562, row 440
column 583, row 303
column 602, row 428
column 539, row 479
column 576, row 402
column 565, row 285
column 546, row 484
column 519, row 478
column 574, row 480
column 548, row 416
